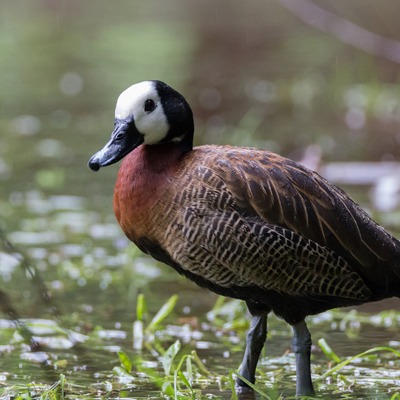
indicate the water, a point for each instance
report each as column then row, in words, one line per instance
column 64, row 64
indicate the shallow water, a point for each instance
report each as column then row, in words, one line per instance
column 70, row 276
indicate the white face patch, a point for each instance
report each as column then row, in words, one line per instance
column 152, row 125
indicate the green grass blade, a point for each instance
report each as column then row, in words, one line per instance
column 189, row 368
column 176, row 385
column 338, row 367
column 181, row 361
column 163, row 313
column 141, row 308
column 62, row 385
column 184, row 380
column 125, row 361
column 219, row 302
column 256, row 389
column 327, row 350
column 168, row 390
column 232, row 383
column 202, row 368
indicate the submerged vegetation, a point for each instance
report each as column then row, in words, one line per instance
column 176, row 356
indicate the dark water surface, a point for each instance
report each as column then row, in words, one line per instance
column 256, row 76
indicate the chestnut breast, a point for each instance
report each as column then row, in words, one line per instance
column 144, row 190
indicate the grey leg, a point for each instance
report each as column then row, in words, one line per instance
column 254, row 343
column 301, row 345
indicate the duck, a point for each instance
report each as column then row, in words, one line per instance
column 243, row 222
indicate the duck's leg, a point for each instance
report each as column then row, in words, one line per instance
column 301, row 345
column 254, row 343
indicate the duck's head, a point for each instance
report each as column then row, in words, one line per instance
column 150, row 113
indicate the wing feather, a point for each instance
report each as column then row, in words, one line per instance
column 284, row 193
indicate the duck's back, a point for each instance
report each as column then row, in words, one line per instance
column 234, row 218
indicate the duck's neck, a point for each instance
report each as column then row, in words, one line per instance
column 157, row 158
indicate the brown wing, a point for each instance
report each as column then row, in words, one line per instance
column 283, row 193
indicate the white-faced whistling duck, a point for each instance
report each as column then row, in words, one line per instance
column 242, row 222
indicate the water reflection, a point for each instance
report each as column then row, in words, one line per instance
column 256, row 76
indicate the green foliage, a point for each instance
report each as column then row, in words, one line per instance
column 254, row 387
column 172, row 368
column 31, row 391
column 179, row 370
column 125, row 361
column 169, row 356
column 330, row 354
column 162, row 314
column 344, row 363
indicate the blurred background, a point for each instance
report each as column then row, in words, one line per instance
column 316, row 81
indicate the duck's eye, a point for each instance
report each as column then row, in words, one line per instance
column 149, row 105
